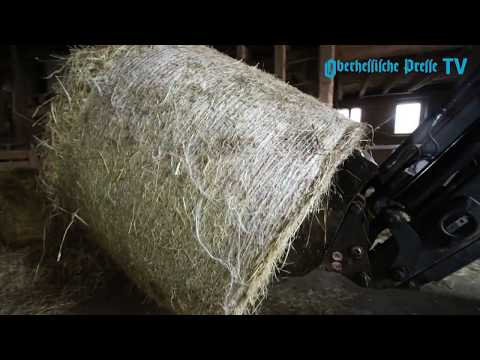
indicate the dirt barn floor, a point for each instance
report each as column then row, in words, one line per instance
column 323, row 292
column 64, row 291
column 34, row 279
column 319, row 293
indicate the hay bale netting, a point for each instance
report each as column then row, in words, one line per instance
column 193, row 170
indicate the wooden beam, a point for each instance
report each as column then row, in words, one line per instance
column 14, row 165
column 422, row 83
column 242, row 52
column 281, row 62
column 418, row 84
column 361, row 52
column 14, row 155
column 326, row 86
column 437, row 76
column 18, row 159
column 300, row 61
column 339, row 90
column 395, row 81
column 364, row 88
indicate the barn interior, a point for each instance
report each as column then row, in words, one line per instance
column 85, row 281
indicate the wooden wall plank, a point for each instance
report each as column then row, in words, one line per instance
column 281, row 62
column 242, row 52
column 326, row 86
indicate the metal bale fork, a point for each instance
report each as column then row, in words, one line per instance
column 425, row 196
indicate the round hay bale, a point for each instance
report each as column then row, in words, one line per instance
column 192, row 170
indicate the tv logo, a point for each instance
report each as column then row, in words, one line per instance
column 429, row 66
column 460, row 68
column 330, row 69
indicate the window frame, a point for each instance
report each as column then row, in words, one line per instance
column 412, row 100
column 350, row 112
column 361, row 114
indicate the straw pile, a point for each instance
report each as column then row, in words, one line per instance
column 22, row 209
column 192, row 170
column 32, row 282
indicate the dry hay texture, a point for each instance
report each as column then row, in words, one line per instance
column 192, row 169
column 33, row 283
column 28, row 290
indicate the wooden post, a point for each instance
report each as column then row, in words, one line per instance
column 361, row 52
column 242, row 52
column 339, row 89
column 281, row 62
column 325, row 86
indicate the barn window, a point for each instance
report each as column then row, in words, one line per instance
column 344, row 112
column 407, row 117
column 355, row 114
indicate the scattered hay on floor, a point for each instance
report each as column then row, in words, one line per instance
column 32, row 282
column 22, row 208
column 31, row 279
column 191, row 169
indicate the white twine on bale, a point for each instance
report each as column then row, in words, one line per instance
column 235, row 158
